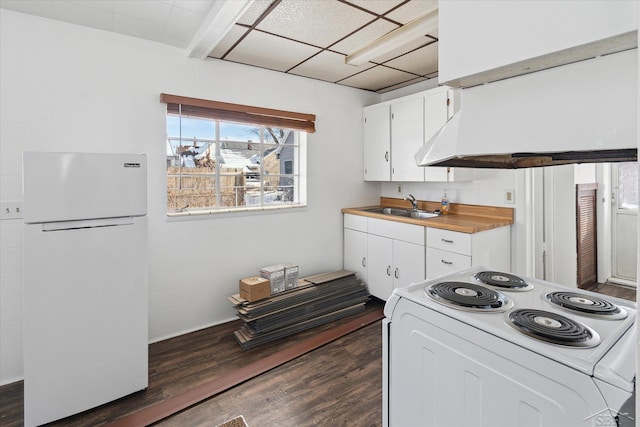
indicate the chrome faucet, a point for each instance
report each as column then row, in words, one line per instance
column 413, row 201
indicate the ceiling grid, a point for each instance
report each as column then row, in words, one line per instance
column 307, row 38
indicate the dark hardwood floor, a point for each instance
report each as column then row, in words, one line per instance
column 348, row 371
column 613, row 290
column 337, row 384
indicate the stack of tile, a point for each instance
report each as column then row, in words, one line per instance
column 317, row 300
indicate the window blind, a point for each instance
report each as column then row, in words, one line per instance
column 238, row 113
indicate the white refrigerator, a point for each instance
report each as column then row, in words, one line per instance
column 85, row 281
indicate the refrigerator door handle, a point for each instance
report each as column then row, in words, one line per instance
column 89, row 223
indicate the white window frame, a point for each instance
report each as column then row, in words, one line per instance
column 299, row 172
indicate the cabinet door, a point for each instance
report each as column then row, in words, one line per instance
column 377, row 143
column 407, row 136
column 435, row 111
column 380, row 266
column 355, row 252
column 435, row 116
column 409, row 262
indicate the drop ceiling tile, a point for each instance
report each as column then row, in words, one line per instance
column 377, row 78
column 403, row 49
column 260, row 49
column 423, row 61
column 363, row 37
column 328, row 66
column 227, row 41
column 379, row 7
column 317, row 22
column 403, row 84
column 254, row 12
column 412, row 10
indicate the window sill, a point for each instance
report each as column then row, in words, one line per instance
column 202, row 214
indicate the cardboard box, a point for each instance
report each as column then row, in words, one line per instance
column 255, row 288
column 290, row 276
column 275, row 274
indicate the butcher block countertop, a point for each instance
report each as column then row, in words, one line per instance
column 461, row 217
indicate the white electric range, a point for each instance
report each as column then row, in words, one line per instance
column 488, row 348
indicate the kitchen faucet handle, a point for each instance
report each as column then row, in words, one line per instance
column 411, row 198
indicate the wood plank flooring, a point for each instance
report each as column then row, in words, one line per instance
column 338, row 384
column 612, row 290
column 182, row 363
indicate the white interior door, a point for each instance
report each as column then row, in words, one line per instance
column 624, row 226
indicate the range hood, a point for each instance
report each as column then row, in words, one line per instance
column 585, row 112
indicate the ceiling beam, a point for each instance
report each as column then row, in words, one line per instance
column 220, row 19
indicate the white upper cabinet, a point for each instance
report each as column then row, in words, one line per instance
column 439, row 106
column 395, row 130
column 486, row 41
column 407, row 136
column 377, row 142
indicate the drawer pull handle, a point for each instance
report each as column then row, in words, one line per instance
column 364, row 261
column 446, row 262
column 396, row 274
column 447, row 240
column 389, row 270
column 386, row 156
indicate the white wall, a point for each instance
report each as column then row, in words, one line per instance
column 69, row 88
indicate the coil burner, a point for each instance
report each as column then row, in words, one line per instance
column 504, row 281
column 553, row 328
column 586, row 305
column 468, row 296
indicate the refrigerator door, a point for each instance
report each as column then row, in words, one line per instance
column 74, row 186
column 85, row 316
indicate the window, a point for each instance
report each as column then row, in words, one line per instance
column 225, row 162
column 628, row 186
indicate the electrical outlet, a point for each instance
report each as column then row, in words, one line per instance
column 510, row 196
column 11, row 209
column 399, row 190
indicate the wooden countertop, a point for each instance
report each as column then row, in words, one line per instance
column 461, row 217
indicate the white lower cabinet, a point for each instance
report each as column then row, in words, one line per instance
column 384, row 254
column 355, row 252
column 390, row 254
column 393, row 264
column 441, row 262
column 450, row 251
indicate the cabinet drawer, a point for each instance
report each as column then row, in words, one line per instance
column 452, row 241
column 355, row 222
column 397, row 230
column 441, row 262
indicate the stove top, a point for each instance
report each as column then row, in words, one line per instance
column 572, row 326
column 553, row 328
column 468, row 296
column 587, row 305
column 504, row 281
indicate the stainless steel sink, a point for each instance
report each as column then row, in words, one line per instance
column 407, row 213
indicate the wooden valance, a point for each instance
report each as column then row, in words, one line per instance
column 239, row 113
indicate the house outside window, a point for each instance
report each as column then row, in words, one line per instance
column 215, row 166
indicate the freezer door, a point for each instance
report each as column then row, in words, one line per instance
column 85, row 317
column 74, row 186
